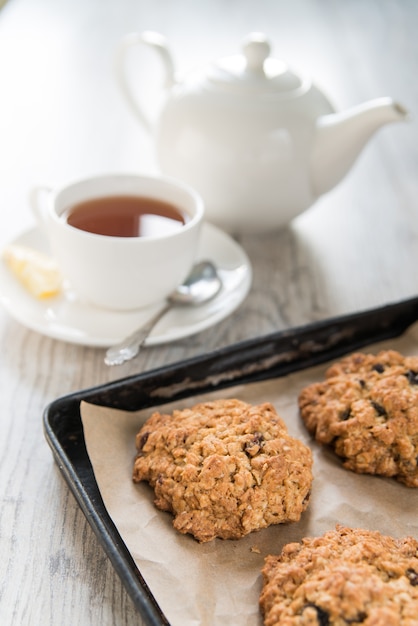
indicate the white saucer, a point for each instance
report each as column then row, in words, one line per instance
column 67, row 318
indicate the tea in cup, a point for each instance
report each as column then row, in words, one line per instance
column 123, row 241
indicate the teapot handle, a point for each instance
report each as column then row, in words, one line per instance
column 157, row 42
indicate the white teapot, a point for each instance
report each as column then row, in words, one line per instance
column 257, row 141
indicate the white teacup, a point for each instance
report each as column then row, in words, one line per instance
column 121, row 272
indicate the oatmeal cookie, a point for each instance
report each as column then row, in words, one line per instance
column 224, row 468
column 367, row 410
column 347, row 576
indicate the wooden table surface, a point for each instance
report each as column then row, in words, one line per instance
column 62, row 117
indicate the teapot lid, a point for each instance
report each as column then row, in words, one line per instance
column 255, row 71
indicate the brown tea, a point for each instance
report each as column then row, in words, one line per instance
column 126, row 216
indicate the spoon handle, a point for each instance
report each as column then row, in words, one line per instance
column 129, row 347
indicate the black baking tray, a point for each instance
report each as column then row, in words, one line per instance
column 262, row 358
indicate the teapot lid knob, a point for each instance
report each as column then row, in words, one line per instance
column 256, row 50
column 254, row 71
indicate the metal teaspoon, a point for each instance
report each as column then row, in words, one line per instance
column 202, row 284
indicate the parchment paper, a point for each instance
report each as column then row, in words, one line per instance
column 218, row 583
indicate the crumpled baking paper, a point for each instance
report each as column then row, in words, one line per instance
column 218, row 583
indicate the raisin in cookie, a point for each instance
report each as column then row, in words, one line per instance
column 367, row 410
column 224, row 468
column 347, row 576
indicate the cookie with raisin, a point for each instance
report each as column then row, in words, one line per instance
column 224, row 468
column 367, row 411
column 347, row 576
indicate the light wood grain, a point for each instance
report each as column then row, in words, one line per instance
column 62, row 116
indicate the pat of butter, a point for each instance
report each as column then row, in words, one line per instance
column 37, row 272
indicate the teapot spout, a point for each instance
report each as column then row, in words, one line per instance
column 340, row 137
